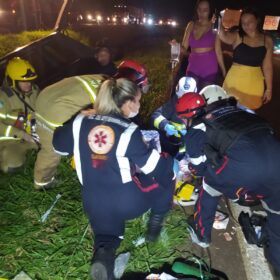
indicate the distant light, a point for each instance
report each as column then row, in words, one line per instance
column 99, row 18
column 108, row 19
column 125, row 20
column 89, row 17
column 160, row 22
column 13, row 11
column 114, row 19
column 174, row 23
column 144, row 20
column 150, row 21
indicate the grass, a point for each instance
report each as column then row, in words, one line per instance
column 61, row 247
column 9, row 42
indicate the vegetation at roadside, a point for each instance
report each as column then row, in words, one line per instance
column 61, row 247
column 9, row 42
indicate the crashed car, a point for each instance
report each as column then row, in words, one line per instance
column 55, row 56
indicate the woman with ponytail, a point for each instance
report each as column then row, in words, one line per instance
column 122, row 177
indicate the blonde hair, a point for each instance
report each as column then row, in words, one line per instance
column 112, row 94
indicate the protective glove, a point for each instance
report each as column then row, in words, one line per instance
column 183, row 132
column 175, row 168
column 170, row 129
column 27, row 137
column 35, row 137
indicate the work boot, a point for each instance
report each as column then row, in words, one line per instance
column 196, row 237
column 103, row 261
column 13, row 170
column 48, row 186
column 154, row 226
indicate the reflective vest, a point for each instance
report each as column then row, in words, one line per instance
column 59, row 102
column 15, row 114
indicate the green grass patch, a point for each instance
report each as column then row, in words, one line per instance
column 61, row 247
column 10, row 42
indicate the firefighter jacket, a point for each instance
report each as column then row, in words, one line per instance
column 59, row 102
column 107, row 151
column 15, row 114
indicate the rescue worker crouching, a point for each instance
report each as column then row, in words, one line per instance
column 238, row 156
column 18, row 94
column 59, row 102
column 165, row 119
column 108, row 147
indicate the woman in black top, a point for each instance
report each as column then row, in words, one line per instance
column 250, row 77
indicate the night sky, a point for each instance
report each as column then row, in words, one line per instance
column 183, row 9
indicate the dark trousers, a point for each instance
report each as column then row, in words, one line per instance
column 108, row 211
column 254, row 165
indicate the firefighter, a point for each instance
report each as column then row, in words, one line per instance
column 238, row 156
column 166, row 121
column 59, row 102
column 108, row 149
column 17, row 99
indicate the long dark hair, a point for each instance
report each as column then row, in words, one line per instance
column 253, row 12
column 211, row 9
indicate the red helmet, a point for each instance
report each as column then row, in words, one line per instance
column 135, row 72
column 190, row 105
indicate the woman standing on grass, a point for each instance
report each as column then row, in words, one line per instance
column 108, row 149
column 206, row 54
column 249, row 79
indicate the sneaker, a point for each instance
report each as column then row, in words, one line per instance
column 103, row 264
column 99, row 271
column 195, row 236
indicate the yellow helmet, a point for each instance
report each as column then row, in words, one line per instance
column 19, row 69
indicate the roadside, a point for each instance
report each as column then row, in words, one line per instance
column 229, row 251
column 257, row 267
column 224, row 253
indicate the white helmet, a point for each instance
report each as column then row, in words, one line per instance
column 185, row 85
column 213, row 93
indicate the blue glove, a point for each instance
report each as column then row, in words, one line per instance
column 175, row 167
column 170, row 129
column 183, row 132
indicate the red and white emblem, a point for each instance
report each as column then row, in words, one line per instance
column 101, row 139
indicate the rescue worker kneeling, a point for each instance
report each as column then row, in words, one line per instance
column 165, row 119
column 107, row 148
column 59, row 102
column 238, row 156
column 17, row 99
